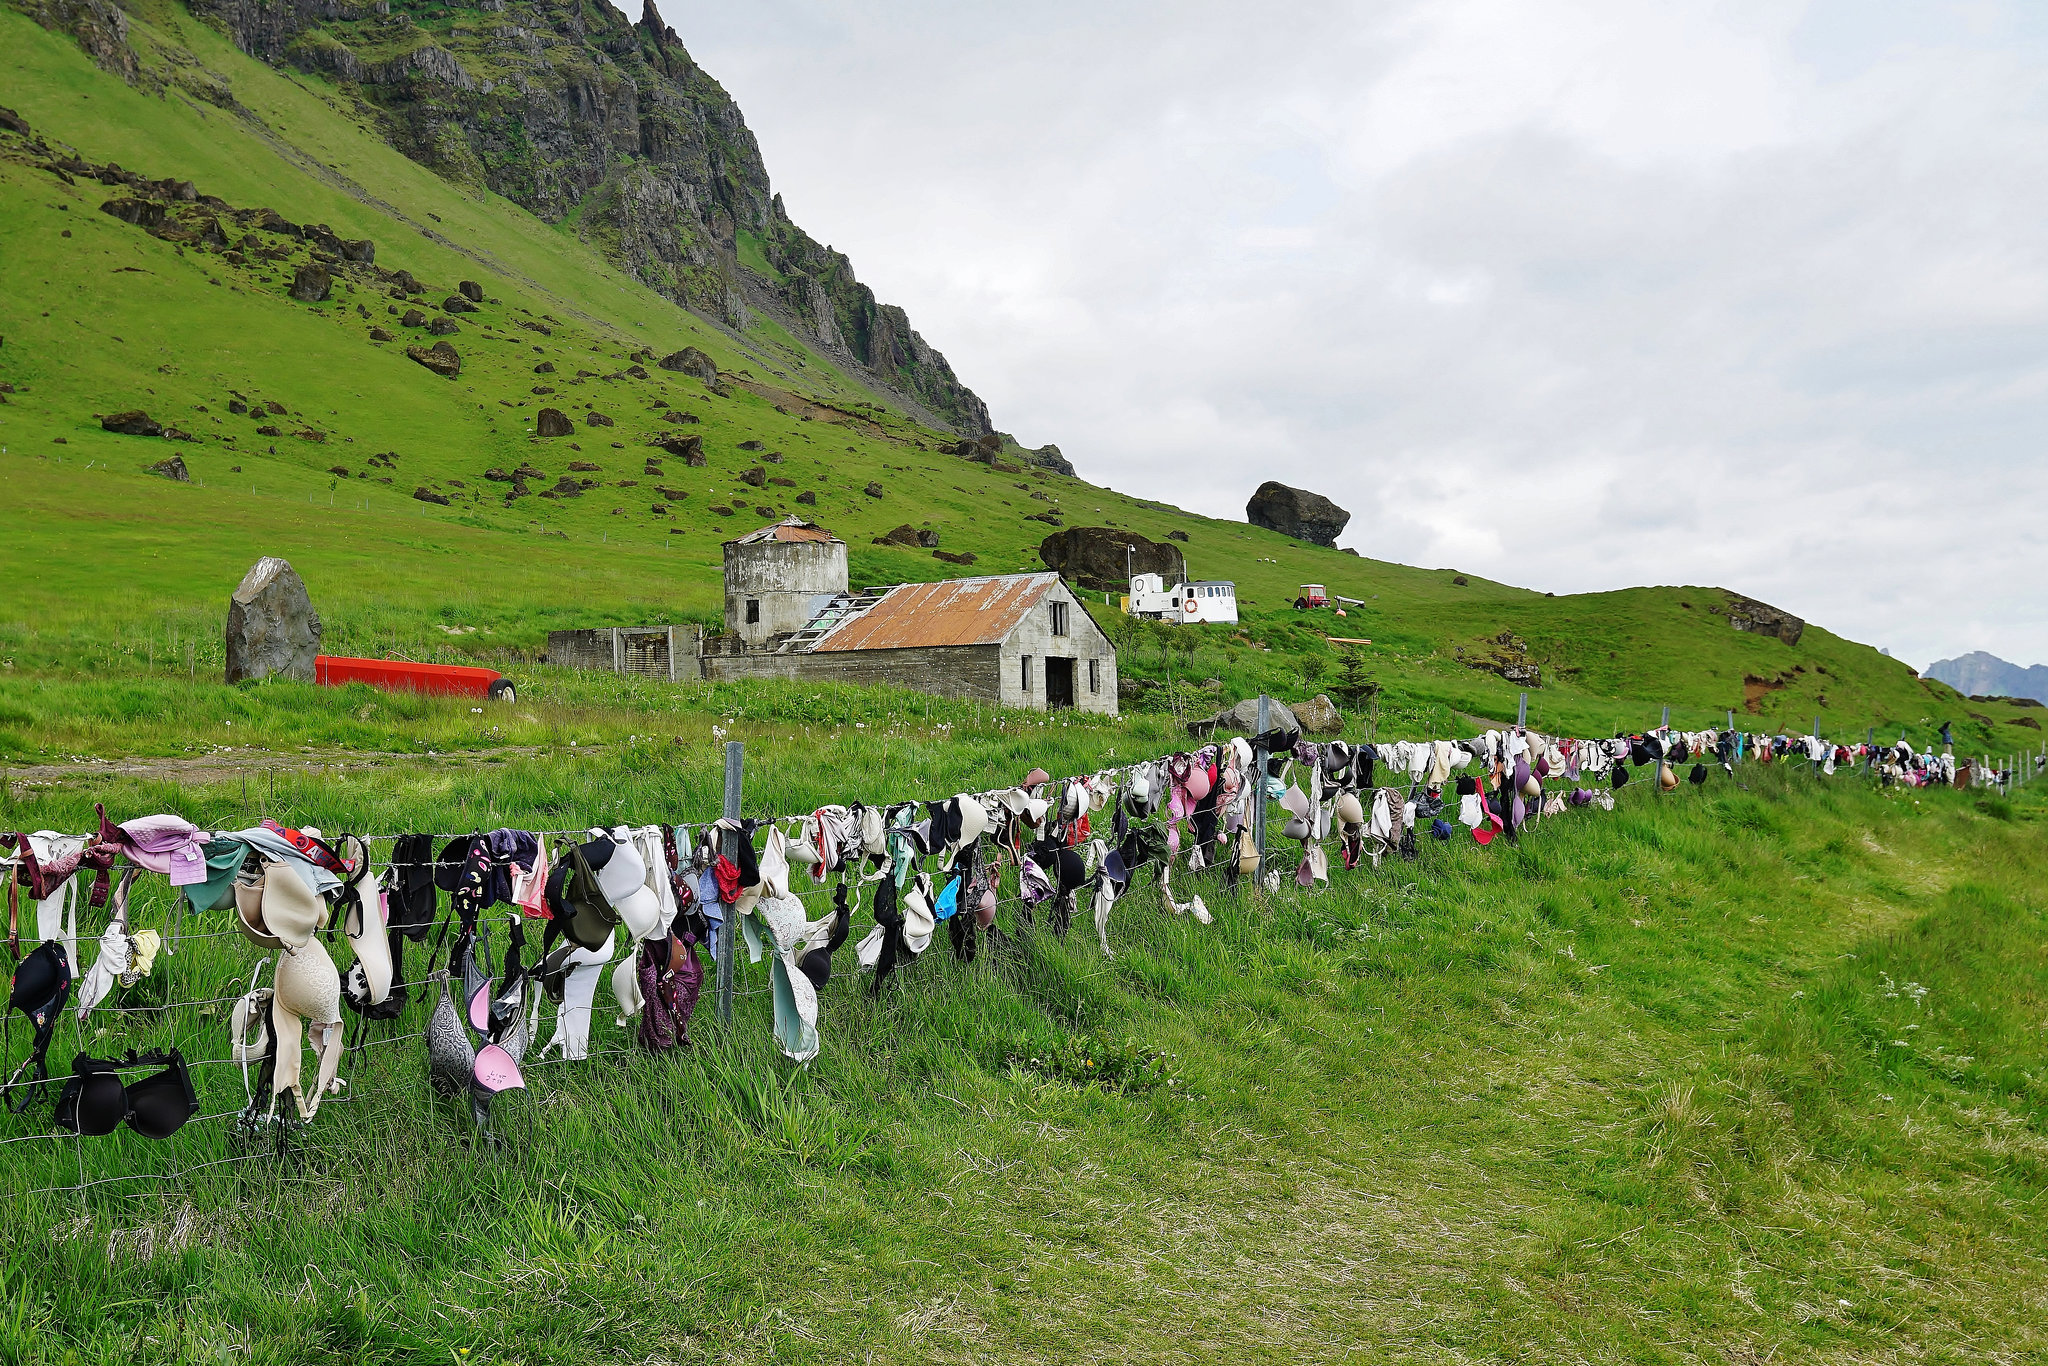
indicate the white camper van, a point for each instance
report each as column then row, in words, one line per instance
column 1210, row 600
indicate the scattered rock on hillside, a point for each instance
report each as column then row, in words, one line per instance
column 595, row 419
column 755, row 477
column 673, row 495
column 542, row 389
column 441, row 358
column 413, row 318
column 689, row 448
column 427, row 495
column 1095, row 557
column 908, row 535
column 1049, row 518
column 807, row 498
column 1244, row 717
column 13, row 122
column 378, row 334
column 546, row 367
column 443, row 327
column 1319, row 716
column 470, row 290
column 777, row 481
column 173, row 469
column 1459, row 581
column 678, row 416
column 311, row 283
column 1180, row 536
column 773, row 457
column 135, row 423
column 873, row 490
column 272, row 629
column 1296, row 512
column 950, row 557
column 751, row 446
column 552, row 422
column 498, row 476
column 268, row 430
column 691, row 361
column 583, row 467
column 638, row 372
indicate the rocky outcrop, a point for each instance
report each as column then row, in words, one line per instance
column 553, row 422
column 1296, row 512
column 575, row 111
column 273, row 631
column 1760, row 618
column 1096, row 557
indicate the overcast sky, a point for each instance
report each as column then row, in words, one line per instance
column 1575, row 294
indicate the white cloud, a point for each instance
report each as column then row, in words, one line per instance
column 1577, row 294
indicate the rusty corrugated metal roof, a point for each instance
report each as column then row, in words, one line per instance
column 793, row 529
column 955, row 612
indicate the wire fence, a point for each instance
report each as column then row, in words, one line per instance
column 385, row 1060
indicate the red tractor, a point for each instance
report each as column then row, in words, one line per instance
column 1312, row 595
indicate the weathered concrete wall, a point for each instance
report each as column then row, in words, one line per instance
column 969, row 672
column 789, row 580
column 632, row 649
column 1083, row 642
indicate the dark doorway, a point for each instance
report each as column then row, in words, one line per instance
column 1059, row 684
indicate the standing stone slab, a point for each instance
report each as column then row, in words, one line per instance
column 273, row 630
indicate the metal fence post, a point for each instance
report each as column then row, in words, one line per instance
column 735, row 765
column 1522, row 711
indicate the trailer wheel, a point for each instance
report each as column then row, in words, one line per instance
column 503, row 691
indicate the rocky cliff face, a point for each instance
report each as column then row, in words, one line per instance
column 574, row 112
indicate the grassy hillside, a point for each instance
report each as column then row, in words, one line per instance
column 123, row 570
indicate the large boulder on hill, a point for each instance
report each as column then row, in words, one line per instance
column 553, row 422
column 1095, row 557
column 1760, row 618
column 273, row 631
column 1296, row 512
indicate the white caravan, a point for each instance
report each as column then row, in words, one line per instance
column 1211, row 600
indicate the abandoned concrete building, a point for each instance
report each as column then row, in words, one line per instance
column 1013, row 640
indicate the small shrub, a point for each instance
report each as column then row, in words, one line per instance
column 1128, row 1068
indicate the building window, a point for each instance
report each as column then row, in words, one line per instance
column 1094, row 675
column 753, row 611
column 1059, row 618
column 1027, row 673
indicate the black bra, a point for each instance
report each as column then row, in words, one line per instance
column 95, row 1102
column 40, row 989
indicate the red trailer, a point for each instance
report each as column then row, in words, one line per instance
column 398, row 675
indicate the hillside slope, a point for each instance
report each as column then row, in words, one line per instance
column 188, row 313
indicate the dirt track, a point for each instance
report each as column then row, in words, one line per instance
column 211, row 767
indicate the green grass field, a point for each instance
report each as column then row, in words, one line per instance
column 1752, row 1073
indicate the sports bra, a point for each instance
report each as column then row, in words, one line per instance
column 95, row 1102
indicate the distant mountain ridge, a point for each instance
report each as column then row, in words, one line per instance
column 1982, row 674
